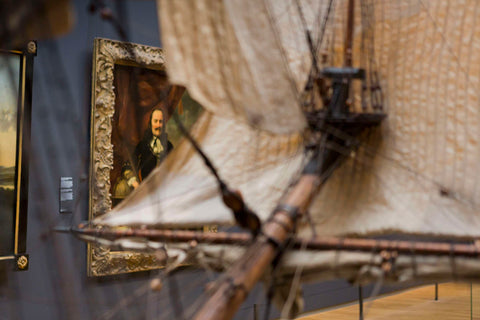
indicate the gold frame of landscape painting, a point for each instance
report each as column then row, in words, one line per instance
column 16, row 79
column 129, row 83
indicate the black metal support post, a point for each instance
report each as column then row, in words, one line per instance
column 360, row 302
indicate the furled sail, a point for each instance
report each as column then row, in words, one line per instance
column 417, row 174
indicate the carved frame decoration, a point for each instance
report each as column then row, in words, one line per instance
column 106, row 54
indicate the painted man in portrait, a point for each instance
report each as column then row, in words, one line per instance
column 154, row 146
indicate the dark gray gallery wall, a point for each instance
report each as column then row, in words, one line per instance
column 56, row 285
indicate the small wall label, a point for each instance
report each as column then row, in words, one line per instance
column 66, row 194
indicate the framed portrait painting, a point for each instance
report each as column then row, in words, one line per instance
column 132, row 103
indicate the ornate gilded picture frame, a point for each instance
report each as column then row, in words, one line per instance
column 130, row 93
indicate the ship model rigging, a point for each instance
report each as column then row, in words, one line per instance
column 298, row 94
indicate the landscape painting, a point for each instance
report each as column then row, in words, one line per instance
column 9, row 88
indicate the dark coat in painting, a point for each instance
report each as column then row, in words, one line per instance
column 146, row 159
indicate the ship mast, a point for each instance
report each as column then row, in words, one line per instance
column 349, row 34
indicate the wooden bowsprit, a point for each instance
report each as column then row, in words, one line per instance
column 242, row 277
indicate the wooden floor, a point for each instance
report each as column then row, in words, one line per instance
column 454, row 302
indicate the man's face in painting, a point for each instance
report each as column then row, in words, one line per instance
column 157, row 123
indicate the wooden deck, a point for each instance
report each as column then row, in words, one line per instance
column 454, row 302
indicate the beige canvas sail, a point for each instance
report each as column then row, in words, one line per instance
column 238, row 60
column 416, row 174
column 419, row 172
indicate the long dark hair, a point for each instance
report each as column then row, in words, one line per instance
column 148, row 133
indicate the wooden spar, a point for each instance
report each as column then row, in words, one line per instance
column 315, row 244
column 234, row 287
column 349, row 34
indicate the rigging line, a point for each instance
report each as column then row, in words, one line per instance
column 391, row 69
column 373, row 153
column 292, row 21
column 421, row 90
column 364, row 55
column 409, row 59
column 445, row 128
column 308, row 35
column 376, row 290
column 375, row 89
column 331, row 49
column 376, row 98
column 401, row 57
column 107, row 14
column 294, row 287
column 335, row 193
column 269, row 295
column 175, row 298
column 298, row 272
column 313, row 72
column 152, row 310
column 280, row 251
column 449, row 48
column 438, row 154
column 222, row 57
column 358, row 172
column 232, row 199
column 109, row 314
column 381, row 44
column 321, row 33
column 379, row 93
column 197, row 148
column 194, row 307
column 366, row 82
column 428, row 90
